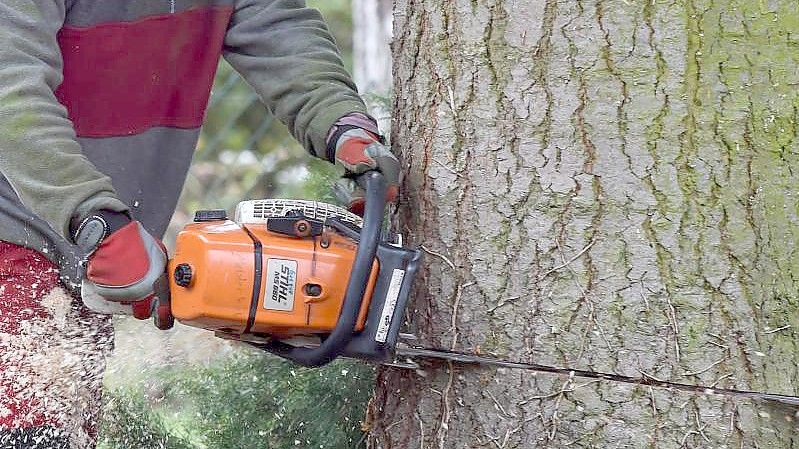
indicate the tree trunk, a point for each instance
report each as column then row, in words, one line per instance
column 602, row 185
column 372, row 56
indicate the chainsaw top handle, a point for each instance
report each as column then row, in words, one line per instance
column 369, row 240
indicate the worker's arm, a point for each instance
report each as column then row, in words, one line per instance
column 39, row 154
column 285, row 51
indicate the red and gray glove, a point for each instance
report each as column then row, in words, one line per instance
column 355, row 143
column 125, row 268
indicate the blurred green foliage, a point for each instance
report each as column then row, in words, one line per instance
column 129, row 421
column 250, row 400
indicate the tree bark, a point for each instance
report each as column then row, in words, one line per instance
column 603, row 185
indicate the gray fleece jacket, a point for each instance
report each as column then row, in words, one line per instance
column 101, row 101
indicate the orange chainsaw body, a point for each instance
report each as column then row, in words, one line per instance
column 245, row 279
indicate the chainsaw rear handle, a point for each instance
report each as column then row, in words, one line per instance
column 336, row 342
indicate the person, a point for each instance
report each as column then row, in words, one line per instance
column 100, row 108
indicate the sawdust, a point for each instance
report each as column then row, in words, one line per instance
column 56, row 364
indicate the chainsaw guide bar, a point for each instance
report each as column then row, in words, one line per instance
column 412, row 354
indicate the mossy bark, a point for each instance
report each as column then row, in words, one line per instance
column 604, row 185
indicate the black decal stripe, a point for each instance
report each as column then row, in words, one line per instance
column 313, row 273
column 257, row 279
column 313, row 259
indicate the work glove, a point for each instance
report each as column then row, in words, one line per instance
column 125, row 269
column 356, row 144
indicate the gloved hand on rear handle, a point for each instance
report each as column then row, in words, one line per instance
column 125, row 268
column 355, row 143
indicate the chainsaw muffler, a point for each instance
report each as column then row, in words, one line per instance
column 306, row 281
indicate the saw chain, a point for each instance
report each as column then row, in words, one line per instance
column 407, row 355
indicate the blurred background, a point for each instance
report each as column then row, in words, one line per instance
column 186, row 389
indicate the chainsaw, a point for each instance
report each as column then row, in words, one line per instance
column 311, row 282
column 305, row 280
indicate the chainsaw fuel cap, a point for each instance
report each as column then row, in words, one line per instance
column 183, row 275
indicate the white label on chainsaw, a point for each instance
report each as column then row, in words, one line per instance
column 281, row 280
column 389, row 306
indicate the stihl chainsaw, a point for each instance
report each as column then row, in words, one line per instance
column 305, row 280
column 310, row 282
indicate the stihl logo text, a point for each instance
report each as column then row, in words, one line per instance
column 284, row 282
column 280, row 285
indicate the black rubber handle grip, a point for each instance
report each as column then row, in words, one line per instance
column 335, row 343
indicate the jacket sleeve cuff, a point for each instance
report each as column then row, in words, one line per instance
column 320, row 127
column 103, row 201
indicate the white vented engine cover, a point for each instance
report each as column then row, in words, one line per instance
column 260, row 211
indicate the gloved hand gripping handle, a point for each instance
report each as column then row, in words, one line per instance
column 336, row 342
